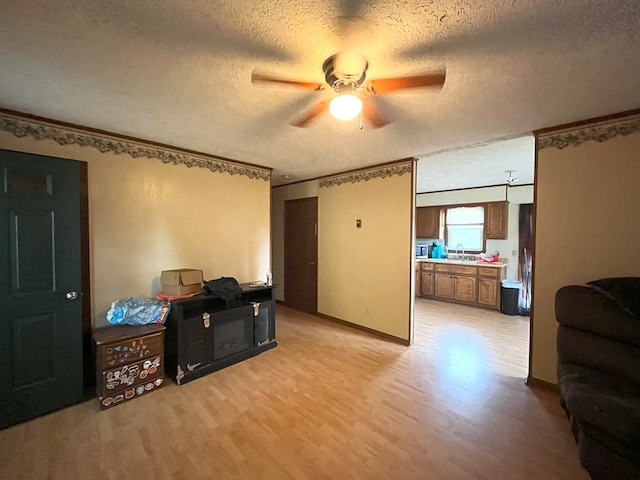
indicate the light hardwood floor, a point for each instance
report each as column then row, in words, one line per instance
column 329, row 402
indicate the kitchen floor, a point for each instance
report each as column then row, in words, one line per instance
column 471, row 339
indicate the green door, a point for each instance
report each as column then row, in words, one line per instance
column 40, row 285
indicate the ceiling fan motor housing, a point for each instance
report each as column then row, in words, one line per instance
column 336, row 79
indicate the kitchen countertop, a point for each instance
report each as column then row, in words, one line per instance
column 461, row 262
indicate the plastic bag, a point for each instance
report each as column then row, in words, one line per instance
column 138, row 311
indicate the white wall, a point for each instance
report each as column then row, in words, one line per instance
column 515, row 195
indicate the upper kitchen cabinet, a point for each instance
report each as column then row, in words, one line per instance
column 428, row 222
column 496, row 220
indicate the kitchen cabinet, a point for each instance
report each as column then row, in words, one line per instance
column 428, row 222
column 460, row 286
column 444, row 286
column 489, row 280
column 463, row 283
column 427, row 281
column 464, row 288
column 487, row 292
column 496, row 214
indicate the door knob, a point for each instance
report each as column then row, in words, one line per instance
column 312, row 263
column 71, row 295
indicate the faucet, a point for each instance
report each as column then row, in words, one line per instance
column 458, row 247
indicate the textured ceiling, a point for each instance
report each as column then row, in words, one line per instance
column 478, row 165
column 178, row 72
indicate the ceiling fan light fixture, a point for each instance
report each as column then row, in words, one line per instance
column 345, row 107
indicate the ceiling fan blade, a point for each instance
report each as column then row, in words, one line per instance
column 259, row 77
column 372, row 113
column 305, row 119
column 386, row 85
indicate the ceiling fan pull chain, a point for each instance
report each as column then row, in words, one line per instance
column 360, row 119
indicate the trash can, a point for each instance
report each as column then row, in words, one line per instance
column 509, row 294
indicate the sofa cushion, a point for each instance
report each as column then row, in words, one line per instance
column 600, row 353
column 625, row 291
column 587, row 309
column 606, row 407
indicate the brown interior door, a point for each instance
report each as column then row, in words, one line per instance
column 301, row 254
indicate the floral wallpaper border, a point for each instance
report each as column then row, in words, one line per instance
column 599, row 132
column 366, row 175
column 63, row 135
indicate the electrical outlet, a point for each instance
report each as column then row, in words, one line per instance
column 358, row 223
column 514, row 253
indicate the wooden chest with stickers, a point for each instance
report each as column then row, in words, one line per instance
column 129, row 362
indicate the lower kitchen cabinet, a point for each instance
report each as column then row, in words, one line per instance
column 454, row 287
column 427, row 284
column 489, row 282
column 464, row 289
column 488, row 292
column 463, row 283
column 444, row 286
column 426, row 279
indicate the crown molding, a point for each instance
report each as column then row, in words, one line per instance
column 369, row 174
column 45, row 129
column 599, row 131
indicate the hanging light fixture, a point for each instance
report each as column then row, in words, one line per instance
column 345, row 105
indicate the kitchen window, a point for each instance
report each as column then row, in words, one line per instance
column 465, row 226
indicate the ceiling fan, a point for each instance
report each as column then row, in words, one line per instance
column 346, row 74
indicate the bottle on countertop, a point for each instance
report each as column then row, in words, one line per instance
column 435, row 250
column 269, row 278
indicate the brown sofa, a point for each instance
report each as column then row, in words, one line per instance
column 599, row 373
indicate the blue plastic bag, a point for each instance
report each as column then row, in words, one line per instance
column 138, row 311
